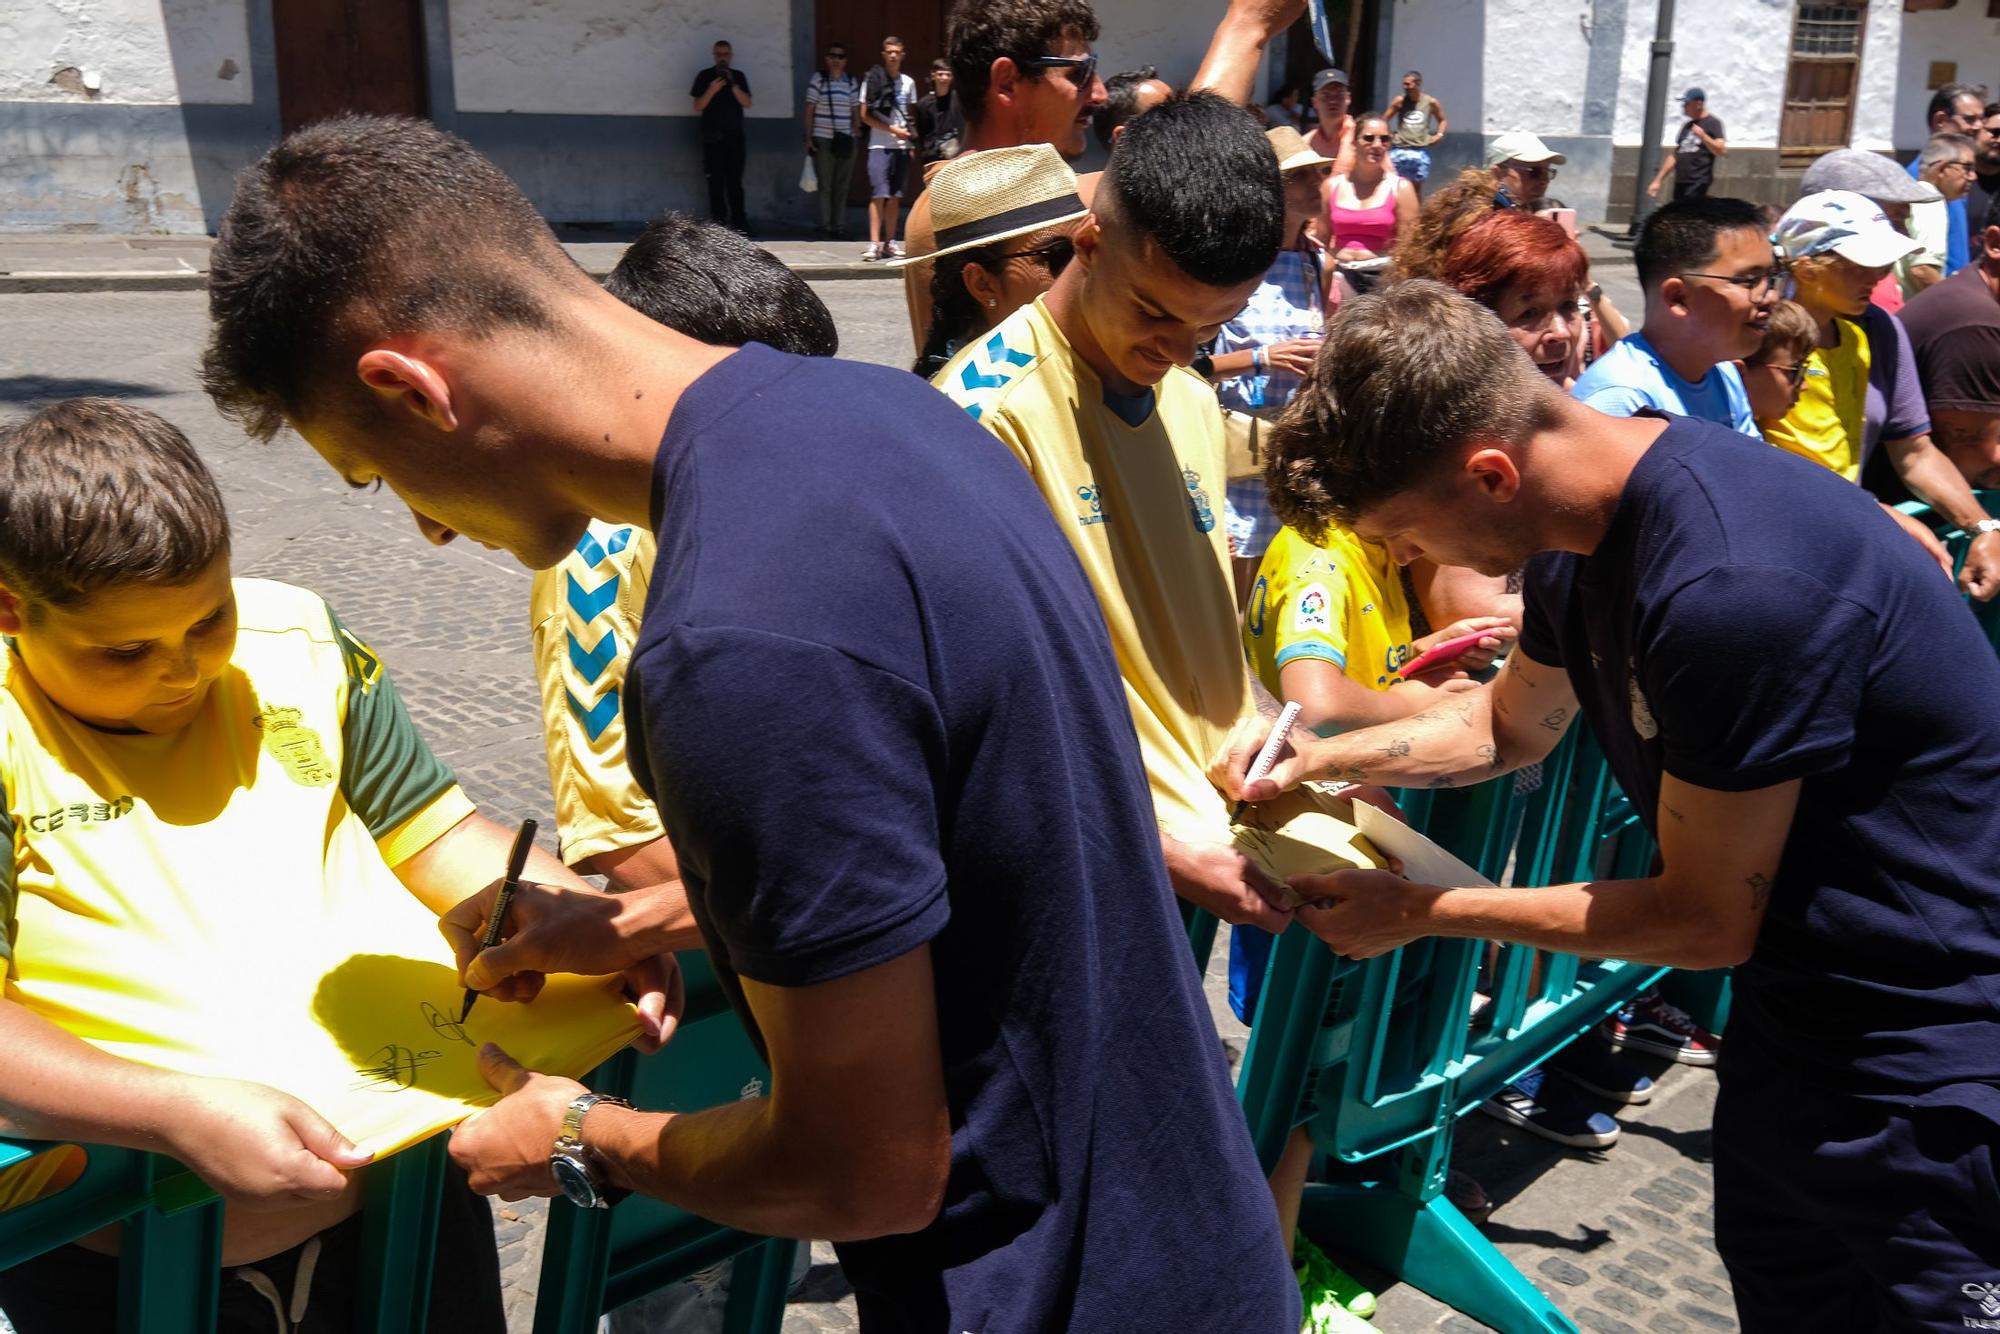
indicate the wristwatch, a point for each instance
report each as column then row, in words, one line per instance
column 1985, row 526
column 575, row 1167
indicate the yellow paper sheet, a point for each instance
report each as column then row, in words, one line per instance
column 1304, row 832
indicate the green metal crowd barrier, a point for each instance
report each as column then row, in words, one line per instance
column 170, row 1252
column 1379, row 1058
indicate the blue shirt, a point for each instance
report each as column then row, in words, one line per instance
column 875, row 700
column 1748, row 619
column 1632, row 377
column 1957, row 237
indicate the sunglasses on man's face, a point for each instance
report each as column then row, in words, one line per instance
column 1079, row 70
column 1055, row 254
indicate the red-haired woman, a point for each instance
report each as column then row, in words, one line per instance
column 1532, row 274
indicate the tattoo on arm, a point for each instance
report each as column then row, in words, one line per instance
column 1671, row 811
column 1491, row 754
column 1349, row 773
column 1554, row 719
column 1442, row 781
column 1396, row 749
column 1760, row 890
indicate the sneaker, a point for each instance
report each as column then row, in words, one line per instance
column 1345, row 1289
column 895, row 250
column 1586, row 1064
column 1321, row 1308
column 1651, row 1025
column 1540, row 1107
column 871, row 254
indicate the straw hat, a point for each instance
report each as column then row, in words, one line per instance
column 1293, row 150
column 1003, row 192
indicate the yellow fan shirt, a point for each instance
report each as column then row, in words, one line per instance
column 1341, row 602
column 585, row 614
column 1827, row 424
column 220, row 900
column 1141, row 506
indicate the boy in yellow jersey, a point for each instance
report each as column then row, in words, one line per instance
column 1089, row 387
column 708, row 282
column 202, row 781
column 1328, row 628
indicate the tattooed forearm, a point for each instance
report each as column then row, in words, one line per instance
column 1442, row 781
column 1554, row 719
column 1491, row 754
column 1678, row 817
column 1760, row 890
column 1396, row 749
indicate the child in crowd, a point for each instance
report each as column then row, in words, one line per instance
column 200, row 779
column 1776, row 371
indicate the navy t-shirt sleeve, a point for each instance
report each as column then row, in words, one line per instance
column 1755, row 677
column 1538, row 592
column 805, row 784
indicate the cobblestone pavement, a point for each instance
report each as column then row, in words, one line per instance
column 1621, row 1240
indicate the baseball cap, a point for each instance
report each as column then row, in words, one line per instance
column 1327, row 76
column 1520, row 146
column 1867, row 174
column 1845, row 223
column 1694, row 95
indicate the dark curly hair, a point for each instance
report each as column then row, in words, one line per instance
column 979, row 32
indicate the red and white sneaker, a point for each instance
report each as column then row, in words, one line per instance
column 1651, row 1025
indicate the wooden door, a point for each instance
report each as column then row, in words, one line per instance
column 1818, row 114
column 348, row 55
column 861, row 25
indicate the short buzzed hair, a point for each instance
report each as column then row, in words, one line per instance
column 353, row 228
column 1682, row 236
column 979, row 32
column 1121, row 101
column 1406, row 376
column 1948, row 147
column 1197, row 175
column 96, row 493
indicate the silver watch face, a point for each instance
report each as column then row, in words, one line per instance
column 575, row 1179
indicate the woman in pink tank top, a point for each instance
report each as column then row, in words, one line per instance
column 1369, row 208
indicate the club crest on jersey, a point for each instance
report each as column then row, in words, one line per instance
column 295, row 746
column 1092, row 511
column 1198, row 506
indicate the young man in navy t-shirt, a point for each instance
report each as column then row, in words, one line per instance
column 1759, row 650
column 875, row 702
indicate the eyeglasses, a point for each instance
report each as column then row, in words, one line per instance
column 1055, row 254
column 1962, row 166
column 1079, row 70
column 1757, row 285
column 1539, row 171
column 1372, row 138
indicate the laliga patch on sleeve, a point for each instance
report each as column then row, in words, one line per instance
column 1313, row 612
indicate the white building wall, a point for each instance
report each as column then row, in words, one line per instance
column 1445, row 39
column 1536, row 62
column 617, row 57
column 136, row 52
column 1170, row 35
column 1877, row 117
column 1963, row 34
column 1734, row 50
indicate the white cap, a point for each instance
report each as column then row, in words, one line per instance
column 1849, row 225
column 1520, row 146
